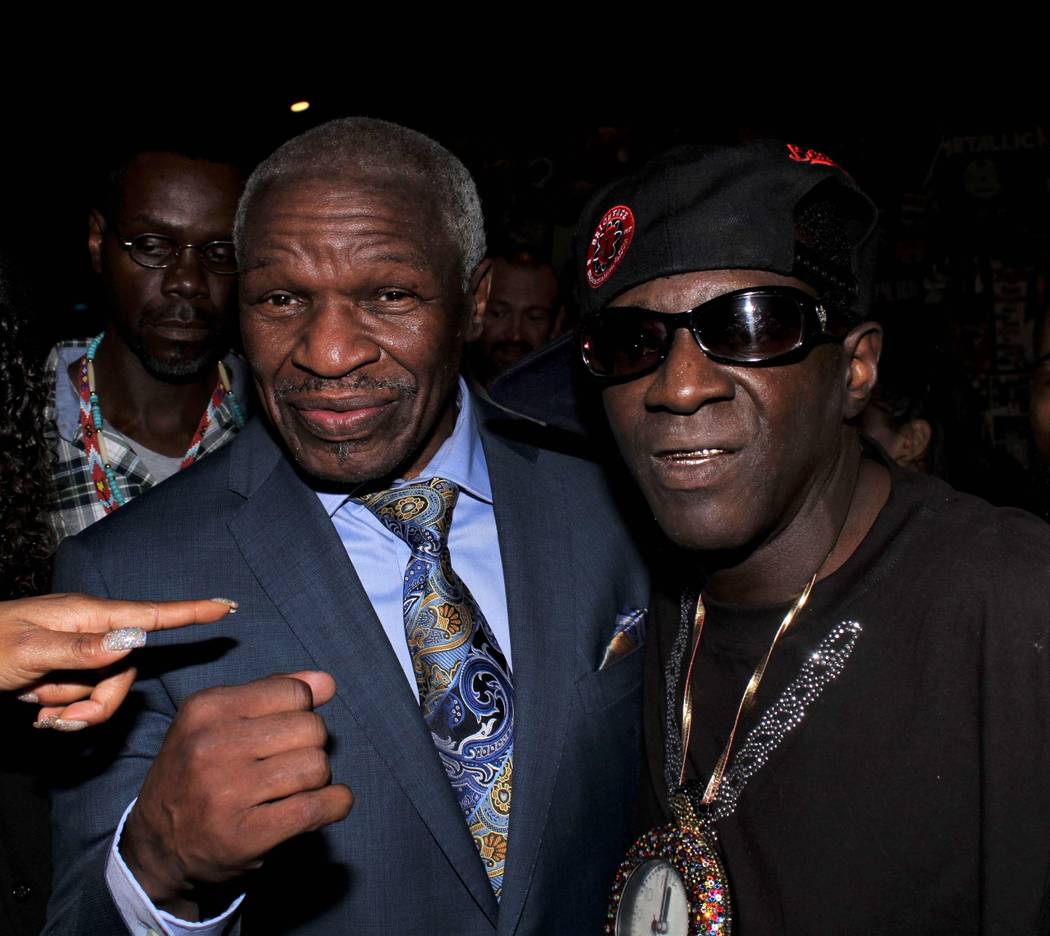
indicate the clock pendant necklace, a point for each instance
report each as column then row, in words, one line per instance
column 672, row 880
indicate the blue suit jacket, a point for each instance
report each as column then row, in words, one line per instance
column 243, row 524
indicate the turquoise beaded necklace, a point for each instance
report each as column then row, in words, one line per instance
column 102, row 473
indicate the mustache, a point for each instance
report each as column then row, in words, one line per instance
column 182, row 312
column 287, row 387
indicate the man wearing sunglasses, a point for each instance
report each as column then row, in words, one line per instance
column 153, row 392
column 848, row 665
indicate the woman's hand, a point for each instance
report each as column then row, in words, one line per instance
column 79, row 632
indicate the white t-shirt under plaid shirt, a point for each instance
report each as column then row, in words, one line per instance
column 77, row 504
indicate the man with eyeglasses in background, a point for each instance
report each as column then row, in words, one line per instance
column 157, row 389
column 847, row 664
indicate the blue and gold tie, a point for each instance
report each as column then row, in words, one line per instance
column 465, row 688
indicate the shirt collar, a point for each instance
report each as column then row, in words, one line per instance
column 67, row 393
column 461, row 459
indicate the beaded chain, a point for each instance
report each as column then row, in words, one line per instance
column 102, row 473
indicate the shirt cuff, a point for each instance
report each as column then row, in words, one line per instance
column 137, row 910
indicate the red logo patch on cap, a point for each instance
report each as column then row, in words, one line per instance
column 612, row 237
column 811, row 156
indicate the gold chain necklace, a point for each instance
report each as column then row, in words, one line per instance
column 673, row 880
column 746, row 700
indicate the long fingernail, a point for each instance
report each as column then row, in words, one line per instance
column 48, row 721
column 69, row 724
column 125, row 638
column 229, row 602
column 29, row 697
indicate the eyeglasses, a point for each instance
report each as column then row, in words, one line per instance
column 155, row 251
column 747, row 326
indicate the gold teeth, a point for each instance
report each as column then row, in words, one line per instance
column 699, row 453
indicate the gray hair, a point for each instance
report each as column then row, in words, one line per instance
column 364, row 144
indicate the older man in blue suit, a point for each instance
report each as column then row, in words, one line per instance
column 440, row 595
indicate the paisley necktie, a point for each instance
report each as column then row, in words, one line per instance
column 465, row 689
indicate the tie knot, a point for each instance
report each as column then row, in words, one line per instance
column 419, row 513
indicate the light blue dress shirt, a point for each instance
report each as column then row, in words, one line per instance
column 380, row 559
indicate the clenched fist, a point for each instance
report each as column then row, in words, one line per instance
column 241, row 770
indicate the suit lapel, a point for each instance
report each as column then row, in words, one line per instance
column 297, row 556
column 534, row 546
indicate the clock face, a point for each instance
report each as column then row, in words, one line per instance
column 654, row 901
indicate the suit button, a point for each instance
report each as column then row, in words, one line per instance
column 21, row 891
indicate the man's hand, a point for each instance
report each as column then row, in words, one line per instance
column 241, row 770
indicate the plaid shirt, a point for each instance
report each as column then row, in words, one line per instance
column 77, row 504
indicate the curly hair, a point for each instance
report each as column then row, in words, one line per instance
column 26, row 540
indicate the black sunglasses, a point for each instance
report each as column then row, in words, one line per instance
column 747, row 326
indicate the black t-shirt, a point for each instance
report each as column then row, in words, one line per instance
column 914, row 794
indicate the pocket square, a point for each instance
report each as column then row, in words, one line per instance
column 628, row 635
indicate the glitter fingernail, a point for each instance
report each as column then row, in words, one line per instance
column 31, row 697
column 229, row 602
column 48, row 721
column 70, row 724
column 125, row 638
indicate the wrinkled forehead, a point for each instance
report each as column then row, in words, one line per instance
column 383, row 193
column 370, row 206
